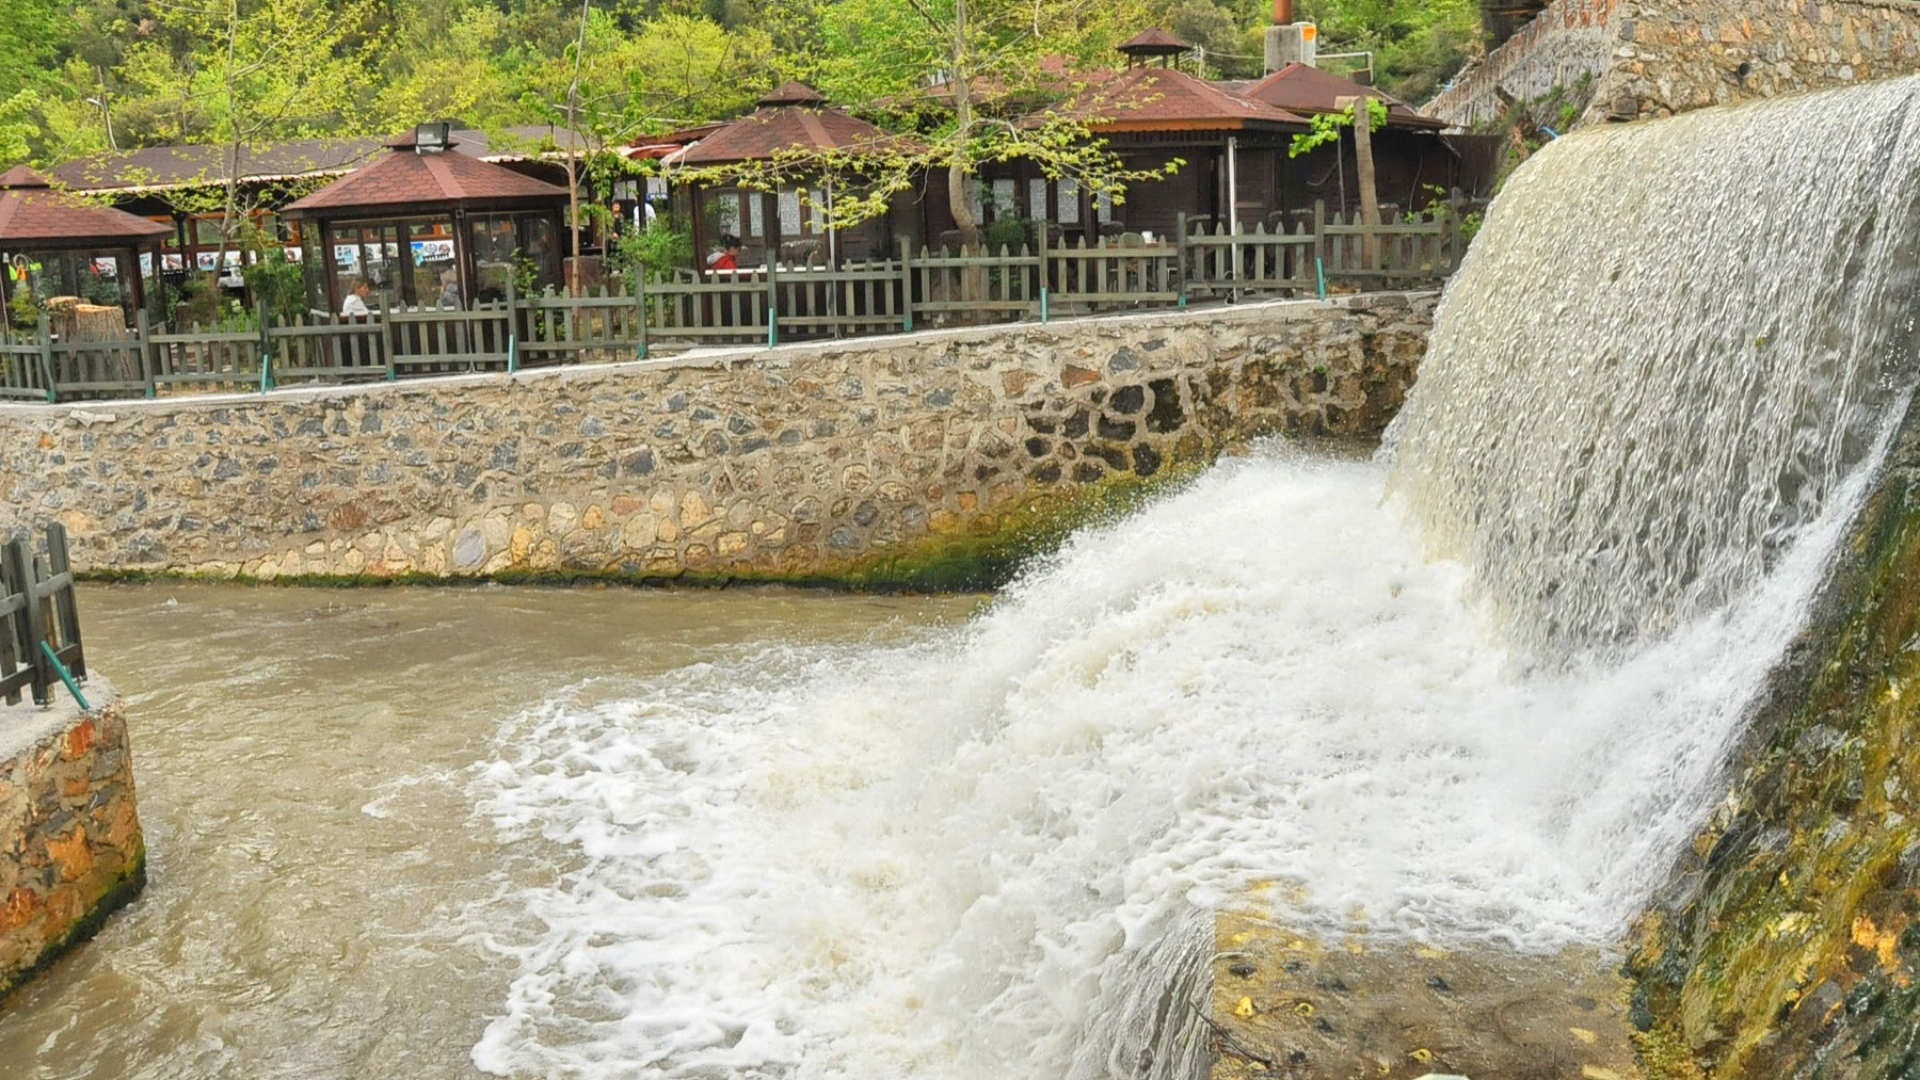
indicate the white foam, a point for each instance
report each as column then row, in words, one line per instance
column 942, row 859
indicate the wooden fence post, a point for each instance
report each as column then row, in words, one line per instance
column 66, row 608
column 1181, row 253
column 19, row 577
column 266, row 346
column 1040, row 244
column 640, row 302
column 149, row 364
column 45, row 341
column 906, row 283
column 513, row 324
column 1455, row 239
column 1320, row 246
column 773, row 306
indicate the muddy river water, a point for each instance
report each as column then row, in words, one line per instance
column 323, row 900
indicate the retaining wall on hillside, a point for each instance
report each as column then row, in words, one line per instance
column 70, row 845
column 1571, row 40
column 803, row 462
column 1652, row 58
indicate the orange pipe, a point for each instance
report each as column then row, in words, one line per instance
column 1283, row 12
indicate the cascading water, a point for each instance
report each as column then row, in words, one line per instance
column 1486, row 708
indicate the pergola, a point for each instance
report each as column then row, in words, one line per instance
column 57, row 246
column 426, row 227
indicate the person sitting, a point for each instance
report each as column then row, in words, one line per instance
column 450, row 288
column 355, row 304
column 728, row 257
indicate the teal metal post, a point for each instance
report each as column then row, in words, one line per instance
column 1320, row 275
column 65, row 676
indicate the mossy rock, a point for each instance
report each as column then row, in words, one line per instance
column 1788, row 942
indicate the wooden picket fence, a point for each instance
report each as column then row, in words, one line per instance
column 39, row 620
column 760, row 305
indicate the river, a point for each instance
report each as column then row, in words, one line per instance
column 317, row 868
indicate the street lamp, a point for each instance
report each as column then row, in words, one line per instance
column 101, row 104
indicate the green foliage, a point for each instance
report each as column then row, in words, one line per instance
column 268, row 275
column 23, row 310
column 1439, row 208
column 655, row 250
column 1326, row 127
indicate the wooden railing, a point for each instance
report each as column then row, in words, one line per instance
column 762, row 305
column 39, row 621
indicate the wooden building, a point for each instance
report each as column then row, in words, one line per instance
column 427, row 226
column 1412, row 159
column 67, row 253
column 1231, row 147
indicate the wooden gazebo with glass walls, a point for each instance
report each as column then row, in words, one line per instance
column 73, row 257
column 789, row 224
column 429, row 228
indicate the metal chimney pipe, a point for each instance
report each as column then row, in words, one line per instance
column 1283, row 12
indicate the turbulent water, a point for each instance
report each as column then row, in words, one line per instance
column 1476, row 694
column 1477, row 697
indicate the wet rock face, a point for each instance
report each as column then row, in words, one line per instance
column 1291, row 1006
column 820, row 461
column 1788, row 941
column 70, row 842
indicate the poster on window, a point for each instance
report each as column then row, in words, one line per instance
column 426, row 251
column 346, row 255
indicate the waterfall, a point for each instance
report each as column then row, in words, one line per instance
column 1662, row 358
column 1477, row 694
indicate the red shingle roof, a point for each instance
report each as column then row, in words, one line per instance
column 792, row 128
column 1152, row 98
column 1307, row 89
column 403, row 179
column 31, row 212
column 1155, row 42
column 167, row 168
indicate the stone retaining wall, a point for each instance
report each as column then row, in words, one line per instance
column 1569, row 41
column 1653, row 58
column 803, row 462
column 1675, row 55
column 70, row 845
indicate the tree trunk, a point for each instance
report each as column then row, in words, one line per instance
column 960, row 170
column 1363, row 159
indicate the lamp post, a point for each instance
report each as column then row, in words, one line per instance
column 106, row 114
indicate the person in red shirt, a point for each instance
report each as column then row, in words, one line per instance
column 728, row 257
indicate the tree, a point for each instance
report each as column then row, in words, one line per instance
column 249, row 71
column 967, row 76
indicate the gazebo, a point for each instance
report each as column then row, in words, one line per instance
column 58, row 247
column 792, row 120
column 426, row 227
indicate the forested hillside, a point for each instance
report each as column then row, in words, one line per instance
column 139, row 73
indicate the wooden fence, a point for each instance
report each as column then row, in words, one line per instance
column 39, row 621
column 760, row 305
